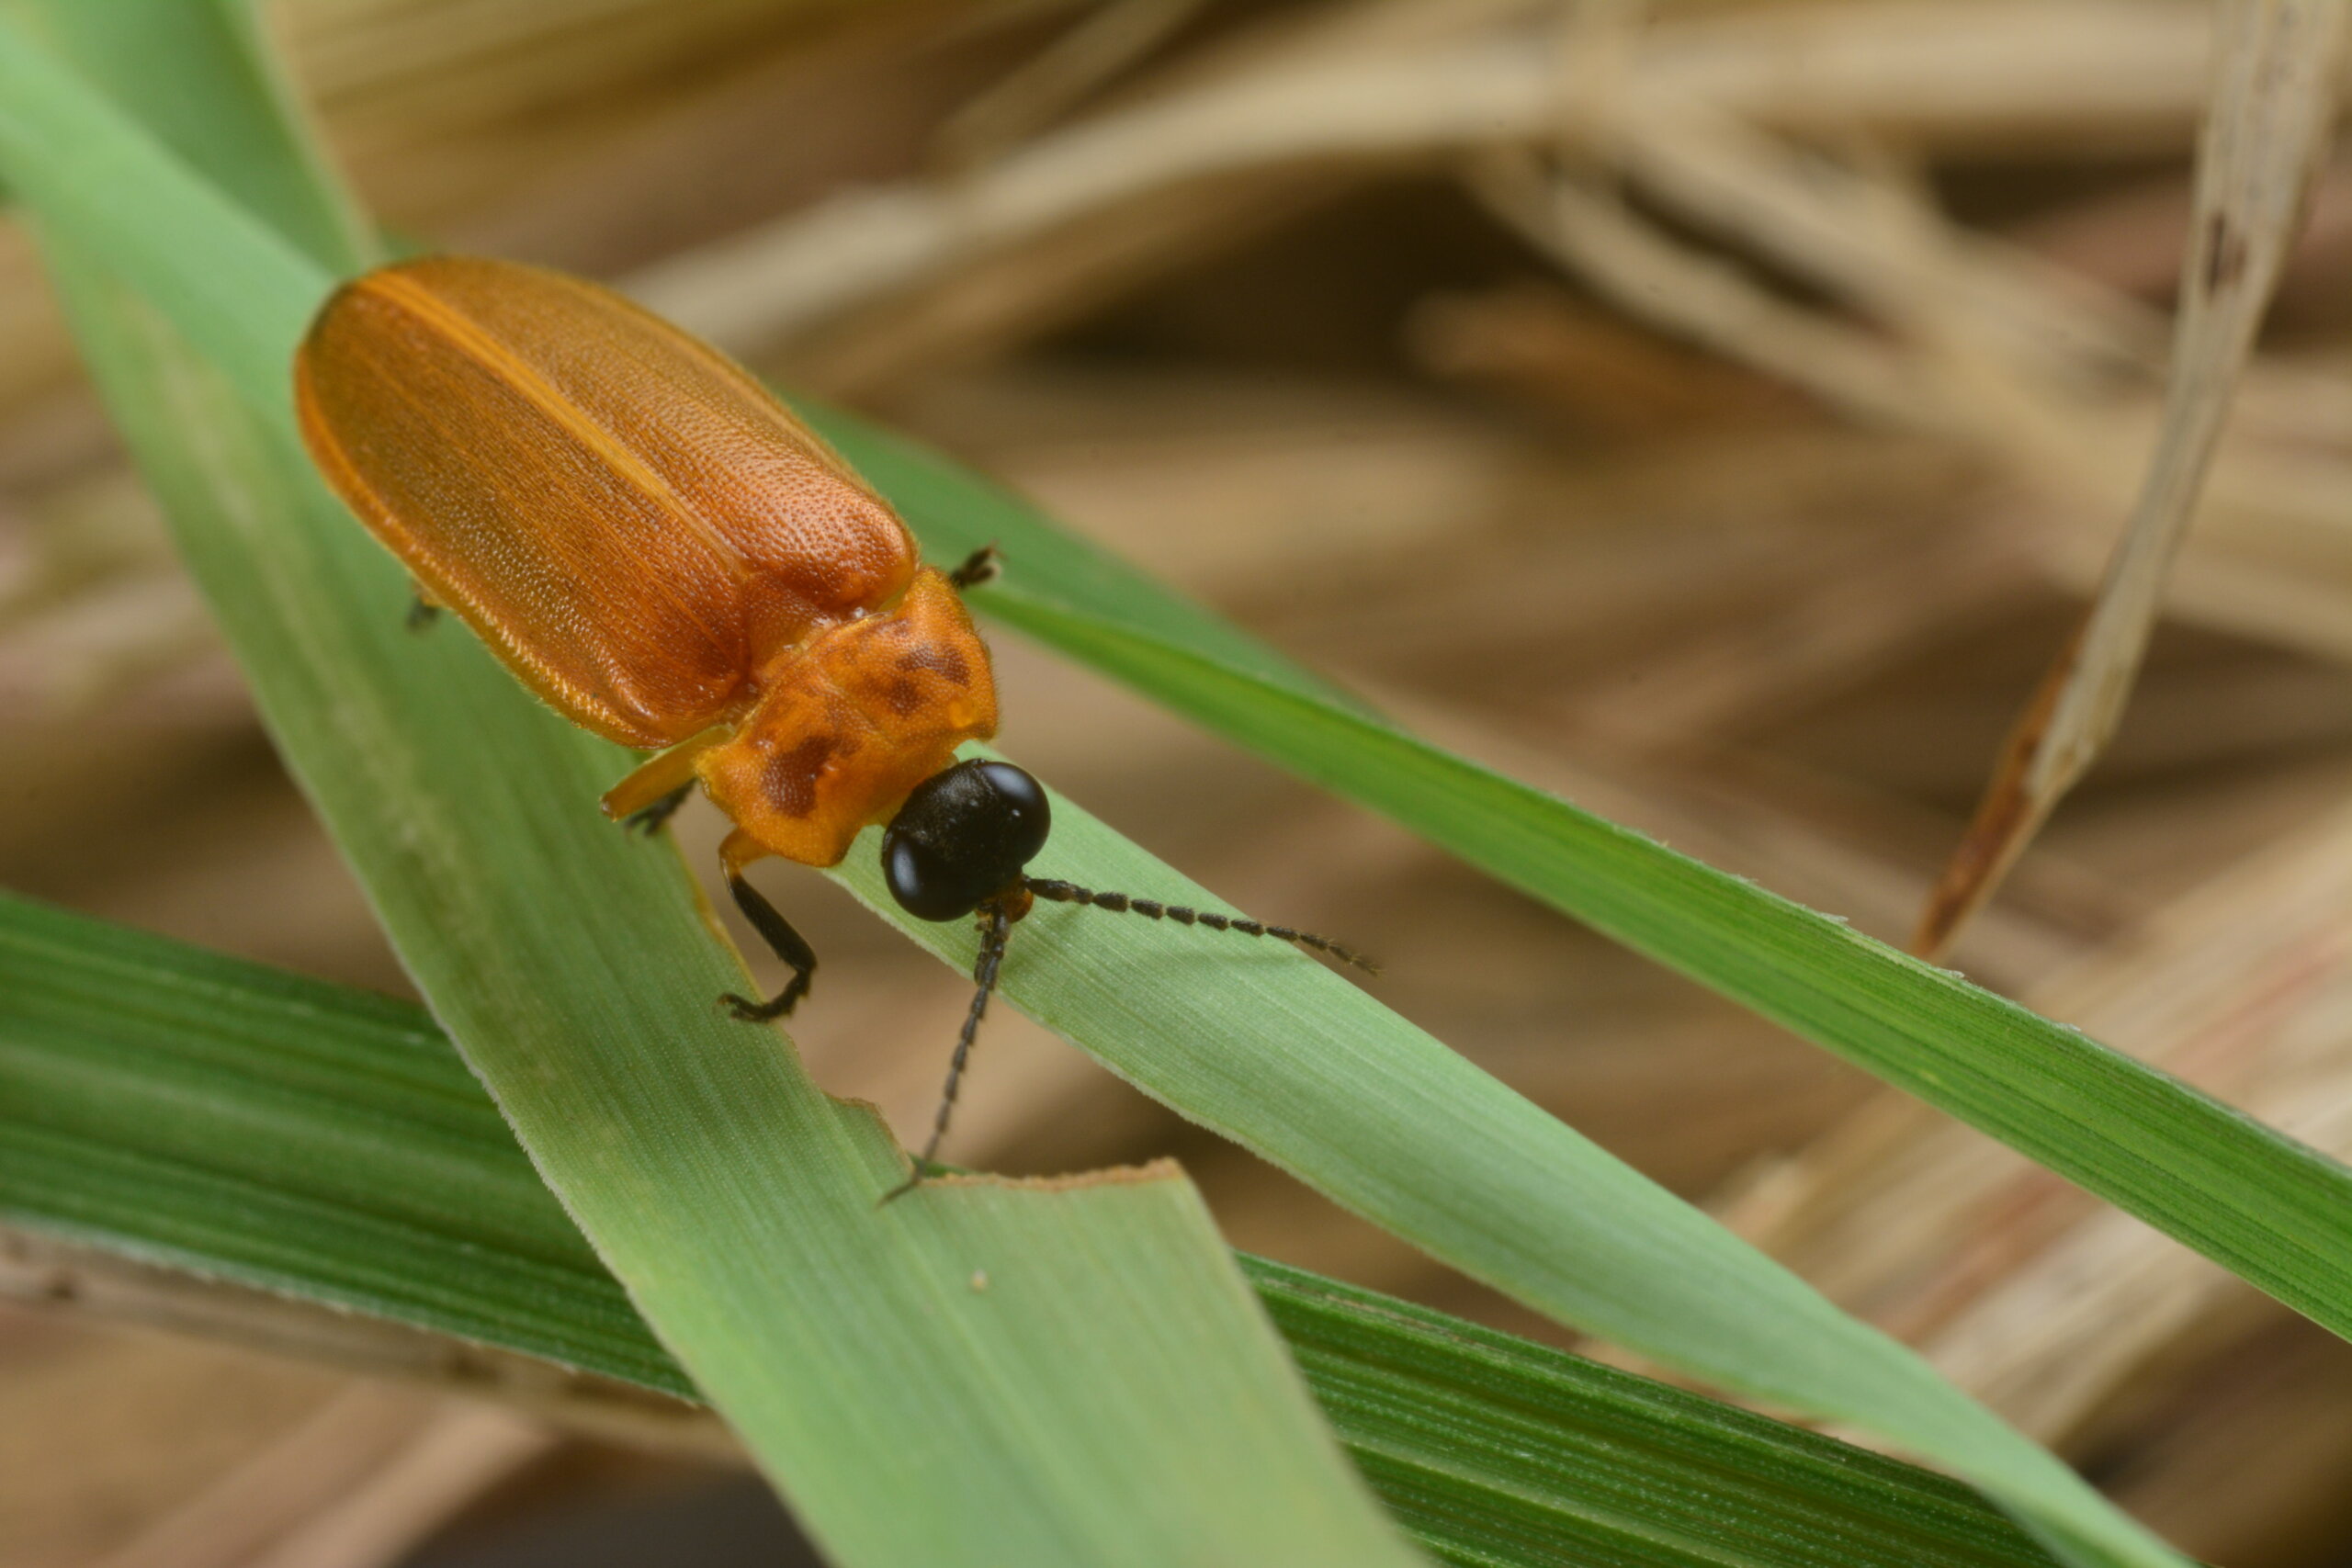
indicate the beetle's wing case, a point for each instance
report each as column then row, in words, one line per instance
column 620, row 511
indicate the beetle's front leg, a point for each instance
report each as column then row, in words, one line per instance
column 774, row 929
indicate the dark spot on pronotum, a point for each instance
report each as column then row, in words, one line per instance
column 792, row 775
column 943, row 662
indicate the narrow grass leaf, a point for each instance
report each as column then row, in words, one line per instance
column 213, row 1115
column 2271, row 1210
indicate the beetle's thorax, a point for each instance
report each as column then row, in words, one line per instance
column 847, row 724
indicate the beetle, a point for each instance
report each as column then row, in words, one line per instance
column 670, row 558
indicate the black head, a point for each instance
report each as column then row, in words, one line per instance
column 963, row 834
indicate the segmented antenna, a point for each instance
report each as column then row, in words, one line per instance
column 996, row 921
column 1152, row 909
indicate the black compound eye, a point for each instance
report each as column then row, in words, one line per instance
column 963, row 834
column 926, row 886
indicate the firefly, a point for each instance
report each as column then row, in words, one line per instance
column 671, row 559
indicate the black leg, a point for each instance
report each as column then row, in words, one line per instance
column 422, row 613
column 650, row 820
column 788, row 945
column 1120, row 904
column 994, row 923
column 978, row 566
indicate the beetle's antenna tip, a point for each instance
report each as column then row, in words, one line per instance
column 1152, row 909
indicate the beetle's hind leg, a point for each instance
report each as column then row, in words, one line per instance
column 784, row 942
column 424, row 610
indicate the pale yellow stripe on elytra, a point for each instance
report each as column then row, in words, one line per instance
column 543, row 395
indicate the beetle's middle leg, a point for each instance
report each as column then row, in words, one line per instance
column 775, row 930
column 649, row 819
column 659, row 786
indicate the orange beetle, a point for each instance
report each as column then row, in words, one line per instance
column 670, row 558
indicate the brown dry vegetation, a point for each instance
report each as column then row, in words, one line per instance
column 1719, row 413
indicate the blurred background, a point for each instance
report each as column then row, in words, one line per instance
column 1713, row 413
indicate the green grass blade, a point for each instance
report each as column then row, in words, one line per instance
column 1115, row 1396
column 1475, row 1437
column 471, row 816
column 1301, row 1065
column 2273, row 1211
column 207, row 88
column 202, row 1112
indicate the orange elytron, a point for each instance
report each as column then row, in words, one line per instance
column 670, row 558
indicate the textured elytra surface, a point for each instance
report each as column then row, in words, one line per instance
column 633, row 523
